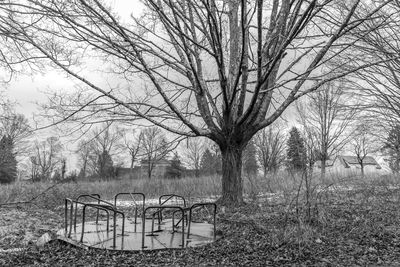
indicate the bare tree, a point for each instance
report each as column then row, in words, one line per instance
column 103, row 142
column 270, row 146
column 44, row 158
column 193, row 153
column 84, row 151
column 325, row 117
column 377, row 86
column 363, row 144
column 220, row 69
column 132, row 143
column 155, row 147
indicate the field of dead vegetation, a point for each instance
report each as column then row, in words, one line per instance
column 336, row 225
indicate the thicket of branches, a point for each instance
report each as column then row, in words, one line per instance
column 221, row 69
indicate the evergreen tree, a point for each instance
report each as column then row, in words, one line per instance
column 206, row 162
column 296, row 152
column 8, row 162
column 210, row 163
column 392, row 146
column 250, row 165
column 175, row 169
column 105, row 165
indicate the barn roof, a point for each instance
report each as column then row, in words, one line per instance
column 328, row 163
column 353, row 160
column 156, row 162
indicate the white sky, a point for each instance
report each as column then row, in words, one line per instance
column 29, row 91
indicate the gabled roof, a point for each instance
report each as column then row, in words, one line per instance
column 328, row 163
column 157, row 162
column 353, row 160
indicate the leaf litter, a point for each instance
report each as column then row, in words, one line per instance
column 346, row 230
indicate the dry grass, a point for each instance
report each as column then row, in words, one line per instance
column 189, row 187
column 349, row 221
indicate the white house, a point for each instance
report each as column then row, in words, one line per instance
column 348, row 165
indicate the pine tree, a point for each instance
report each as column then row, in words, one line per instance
column 8, row 162
column 250, row 165
column 175, row 169
column 105, row 165
column 206, row 162
column 296, row 152
column 210, row 163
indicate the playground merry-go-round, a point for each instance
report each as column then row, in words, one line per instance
column 131, row 222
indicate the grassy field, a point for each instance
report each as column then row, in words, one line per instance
column 340, row 221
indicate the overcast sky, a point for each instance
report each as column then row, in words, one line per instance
column 29, row 90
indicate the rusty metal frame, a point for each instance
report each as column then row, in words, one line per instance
column 71, row 202
column 162, row 202
column 92, row 196
column 105, row 208
column 159, row 209
column 169, row 197
column 132, row 194
column 197, row 205
column 73, row 215
column 71, row 211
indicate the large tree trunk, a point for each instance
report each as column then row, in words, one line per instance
column 131, row 168
column 232, row 183
column 323, row 169
column 362, row 169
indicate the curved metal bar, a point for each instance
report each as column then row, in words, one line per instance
column 132, row 194
column 115, row 211
column 183, row 218
column 93, row 196
column 68, row 201
column 160, row 208
column 120, row 194
column 106, row 208
column 85, row 205
column 169, row 197
column 197, row 205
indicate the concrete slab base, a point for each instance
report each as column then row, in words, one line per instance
column 97, row 236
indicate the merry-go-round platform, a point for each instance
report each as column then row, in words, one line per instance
column 92, row 222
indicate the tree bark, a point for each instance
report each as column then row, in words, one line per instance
column 323, row 169
column 362, row 170
column 131, row 168
column 232, row 183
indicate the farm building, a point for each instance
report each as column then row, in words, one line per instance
column 159, row 170
column 348, row 165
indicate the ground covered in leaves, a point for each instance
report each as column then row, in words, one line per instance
column 351, row 227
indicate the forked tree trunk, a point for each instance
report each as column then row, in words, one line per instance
column 232, row 183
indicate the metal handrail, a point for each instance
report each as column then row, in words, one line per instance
column 169, row 197
column 93, row 196
column 68, row 201
column 105, row 208
column 132, row 194
column 202, row 205
column 160, row 208
column 73, row 222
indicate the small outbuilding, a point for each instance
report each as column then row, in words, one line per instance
column 350, row 165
